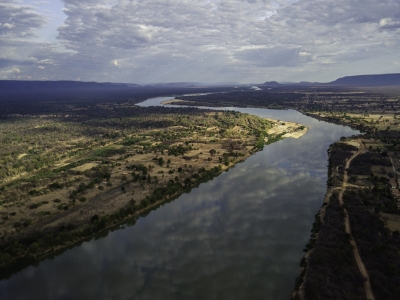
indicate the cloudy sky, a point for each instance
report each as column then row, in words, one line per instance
column 247, row 41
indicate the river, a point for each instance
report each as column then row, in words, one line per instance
column 239, row 236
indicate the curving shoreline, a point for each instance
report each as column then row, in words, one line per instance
column 85, row 225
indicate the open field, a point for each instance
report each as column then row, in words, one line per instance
column 392, row 221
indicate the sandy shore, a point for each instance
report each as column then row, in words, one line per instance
column 291, row 129
column 166, row 102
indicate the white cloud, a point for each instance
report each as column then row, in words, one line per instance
column 388, row 23
column 12, row 70
column 197, row 40
column 8, row 25
column 19, row 21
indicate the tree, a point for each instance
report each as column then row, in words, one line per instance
column 212, row 152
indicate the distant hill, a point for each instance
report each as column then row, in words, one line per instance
column 371, row 80
column 270, row 83
column 176, row 84
column 192, row 84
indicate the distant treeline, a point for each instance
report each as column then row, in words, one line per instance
column 42, row 97
column 281, row 98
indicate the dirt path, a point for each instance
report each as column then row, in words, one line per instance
column 360, row 264
column 394, row 169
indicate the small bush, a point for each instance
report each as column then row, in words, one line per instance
column 94, row 218
column 34, row 205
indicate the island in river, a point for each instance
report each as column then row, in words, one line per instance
column 68, row 175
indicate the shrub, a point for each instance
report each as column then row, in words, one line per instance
column 94, row 219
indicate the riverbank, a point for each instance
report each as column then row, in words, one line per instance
column 105, row 185
column 279, row 127
column 362, row 191
column 372, row 189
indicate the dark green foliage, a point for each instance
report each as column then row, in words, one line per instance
column 139, row 168
column 34, row 205
column 361, row 165
column 380, row 197
column 178, row 150
column 379, row 248
column 260, row 142
column 263, row 98
column 34, row 192
column 339, row 152
column 55, row 185
column 106, row 152
column 131, row 141
column 332, row 271
column 274, row 138
column 94, row 218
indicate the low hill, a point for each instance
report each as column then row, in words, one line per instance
column 369, row 80
column 270, row 83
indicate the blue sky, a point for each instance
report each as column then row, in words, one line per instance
column 243, row 41
column 52, row 11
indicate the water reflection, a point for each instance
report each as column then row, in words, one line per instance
column 239, row 236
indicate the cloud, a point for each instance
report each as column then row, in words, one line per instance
column 197, row 40
column 388, row 23
column 19, row 21
column 275, row 57
column 13, row 70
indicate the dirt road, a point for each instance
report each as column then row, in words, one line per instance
column 360, row 264
column 394, row 169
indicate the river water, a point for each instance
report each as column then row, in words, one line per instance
column 239, row 236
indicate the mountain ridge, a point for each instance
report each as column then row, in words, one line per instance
column 368, row 80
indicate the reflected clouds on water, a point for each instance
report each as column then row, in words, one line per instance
column 238, row 236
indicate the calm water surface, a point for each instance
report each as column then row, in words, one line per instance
column 239, row 236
